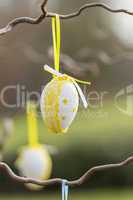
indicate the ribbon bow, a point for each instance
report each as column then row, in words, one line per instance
column 58, row 74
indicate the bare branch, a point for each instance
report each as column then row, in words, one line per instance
column 56, row 181
column 43, row 6
column 91, row 5
column 45, row 14
column 26, row 20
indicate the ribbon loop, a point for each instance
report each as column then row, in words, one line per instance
column 32, row 124
column 56, row 46
column 56, row 40
column 65, row 190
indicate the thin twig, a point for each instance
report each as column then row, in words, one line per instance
column 57, row 181
column 90, row 5
column 45, row 14
column 27, row 20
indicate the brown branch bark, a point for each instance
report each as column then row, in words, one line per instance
column 46, row 14
column 58, row 181
column 27, row 20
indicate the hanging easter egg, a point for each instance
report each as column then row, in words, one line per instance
column 59, row 104
column 60, row 101
column 36, row 163
column 60, row 97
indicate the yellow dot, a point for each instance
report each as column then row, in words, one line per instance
column 65, row 101
column 63, row 117
column 74, row 110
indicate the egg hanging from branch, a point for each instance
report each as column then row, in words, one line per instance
column 60, row 101
column 35, row 163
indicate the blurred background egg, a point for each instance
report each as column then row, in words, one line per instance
column 36, row 163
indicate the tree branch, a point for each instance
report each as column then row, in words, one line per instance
column 46, row 14
column 91, row 5
column 27, row 20
column 58, row 181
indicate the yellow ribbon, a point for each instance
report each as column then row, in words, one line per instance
column 32, row 124
column 56, row 73
column 80, row 81
column 56, row 41
column 56, row 45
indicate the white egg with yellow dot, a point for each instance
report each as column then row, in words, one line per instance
column 60, row 101
column 36, row 163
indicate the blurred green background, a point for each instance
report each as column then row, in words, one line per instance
column 96, row 46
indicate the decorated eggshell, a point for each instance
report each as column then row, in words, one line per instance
column 36, row 163
column 59, row 104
